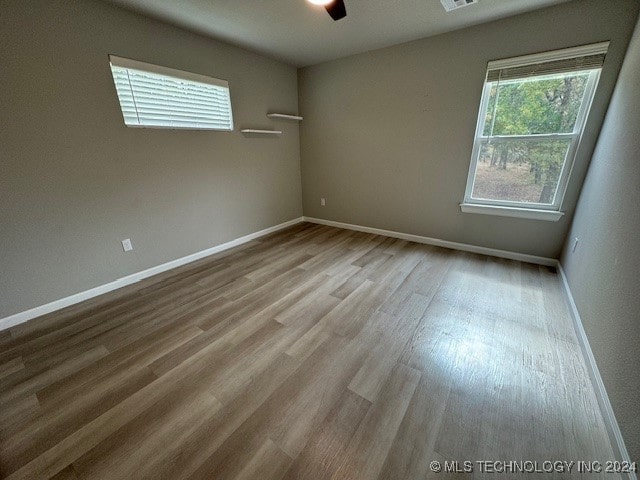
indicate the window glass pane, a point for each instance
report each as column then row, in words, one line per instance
column 519, row 170
column 536, row 105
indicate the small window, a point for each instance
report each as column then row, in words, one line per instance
column 532, row 114
column 158, row 97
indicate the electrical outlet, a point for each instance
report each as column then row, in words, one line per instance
column 323, row 202
column 575, row 244
column 126, row 245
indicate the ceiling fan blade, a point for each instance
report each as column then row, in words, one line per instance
column 336, row 9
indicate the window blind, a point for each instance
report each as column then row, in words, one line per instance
column 589, row 57
column 154, row 96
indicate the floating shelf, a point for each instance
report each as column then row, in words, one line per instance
column 284, row 116
column 265, row 132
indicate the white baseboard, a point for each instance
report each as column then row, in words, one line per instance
column 22, row 317
column 493, row 252
column 613, row 429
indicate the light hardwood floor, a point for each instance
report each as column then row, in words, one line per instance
column 312, row 353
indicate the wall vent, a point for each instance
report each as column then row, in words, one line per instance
column 450, row 5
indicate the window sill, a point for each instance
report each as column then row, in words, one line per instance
column 530, row 213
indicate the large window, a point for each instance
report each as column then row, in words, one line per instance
column 160, row 97
column 532, row 114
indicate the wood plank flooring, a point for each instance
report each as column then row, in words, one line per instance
column 311, row 353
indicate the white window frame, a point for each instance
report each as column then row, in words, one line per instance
column 525, row 209
column 129, row 64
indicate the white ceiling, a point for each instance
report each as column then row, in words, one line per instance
column 302, row 34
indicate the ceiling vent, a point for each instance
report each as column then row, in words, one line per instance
column 450, row 5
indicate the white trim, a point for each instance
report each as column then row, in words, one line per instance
column 575, row 138
column 530, row 213
column 475, row 151
column 177, row 127
column 22, row 317
column 611, row 424
column 580, row 51
column 533, row 137
column 166, row 71
column 465, row 247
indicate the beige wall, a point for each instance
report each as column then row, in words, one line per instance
column 604, row 271
column 387, row 135
column 75, row 181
